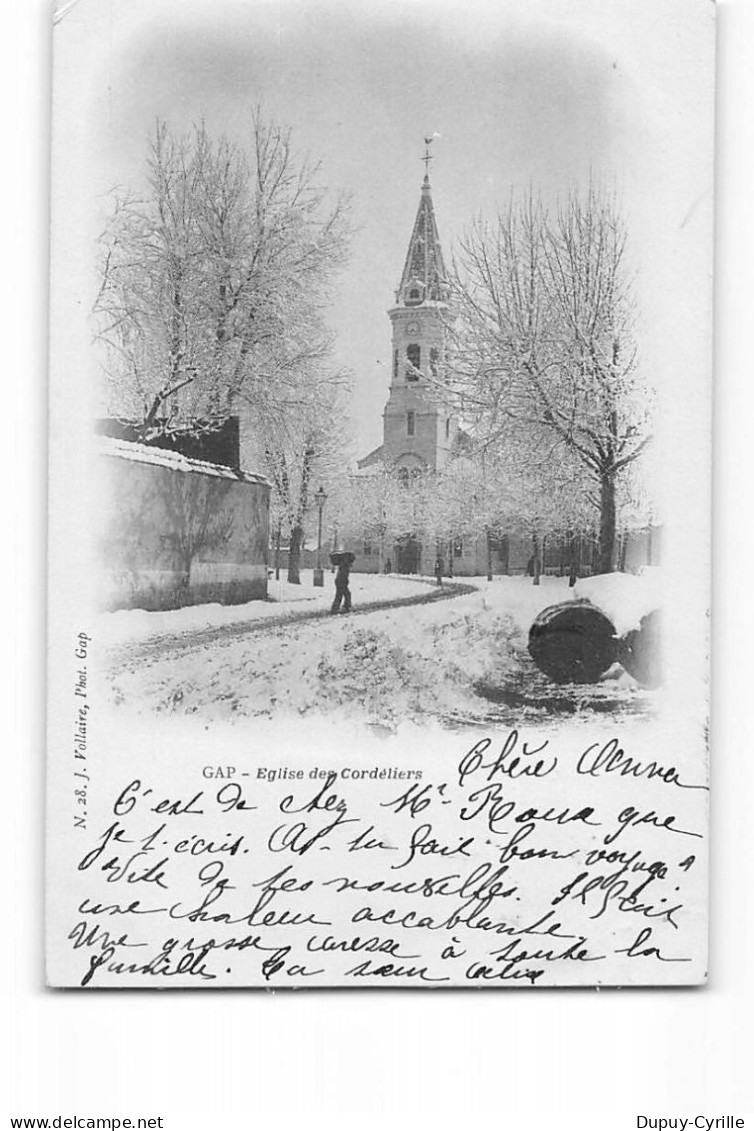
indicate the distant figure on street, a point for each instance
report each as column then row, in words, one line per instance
column 342, row 592
column 439, row 570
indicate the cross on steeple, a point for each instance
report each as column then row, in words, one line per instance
column 427, row 156
column 424, row 277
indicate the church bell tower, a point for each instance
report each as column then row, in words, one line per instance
column 419, row 431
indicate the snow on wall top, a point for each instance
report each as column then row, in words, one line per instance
column 160, row 457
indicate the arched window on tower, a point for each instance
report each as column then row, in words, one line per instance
column 447, row 427
column 410, row 423
column 414, row 355
column 395, row 365
column 414, row 296
column 434, row 360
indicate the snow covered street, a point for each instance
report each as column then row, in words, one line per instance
column 457, row 655
column 129, row 625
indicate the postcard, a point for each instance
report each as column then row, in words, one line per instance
column 380, row 388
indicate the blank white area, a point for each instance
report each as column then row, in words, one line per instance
column 221, row 1060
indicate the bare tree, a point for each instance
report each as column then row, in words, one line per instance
column 544, row 345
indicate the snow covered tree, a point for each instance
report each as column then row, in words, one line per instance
column 516, row 489
column 303, row 445
column 544, row 343
column 213, row 277
column 455, row 506
column 376, row 507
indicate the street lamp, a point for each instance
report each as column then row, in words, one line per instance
column 320, row 499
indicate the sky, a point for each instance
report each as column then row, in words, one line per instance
column 547, row 93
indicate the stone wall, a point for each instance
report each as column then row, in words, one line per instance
column 175, row 531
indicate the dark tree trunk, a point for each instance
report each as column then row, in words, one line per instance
column 184, row 560
column 573, row 561
column 536, row 558
column 506, row 554
column 294, row 555
column 277, row 554
column 451, row 549
column 489, row 555
column 297, row 529
column 607, row 524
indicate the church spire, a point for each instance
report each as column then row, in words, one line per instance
column 424, row 278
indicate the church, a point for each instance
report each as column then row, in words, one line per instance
column 419, row 431
column 421, row 434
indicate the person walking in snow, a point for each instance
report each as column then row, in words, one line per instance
column 342, row 592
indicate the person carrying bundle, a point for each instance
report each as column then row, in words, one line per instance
column 342, row 591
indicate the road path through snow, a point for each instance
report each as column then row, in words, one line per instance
column 157, row 648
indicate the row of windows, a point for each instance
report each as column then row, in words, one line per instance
column 414, row 358
column 408, row 478
column 457, row 546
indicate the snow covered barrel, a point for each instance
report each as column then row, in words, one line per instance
column 573, row 642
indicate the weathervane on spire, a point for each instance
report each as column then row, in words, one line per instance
column 427, row 155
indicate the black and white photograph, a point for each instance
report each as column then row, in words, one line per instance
column 346, row 362
column 377, row 481
column 381, row 346
column 378, row 618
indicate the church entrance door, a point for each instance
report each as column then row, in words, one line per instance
column 408, row 555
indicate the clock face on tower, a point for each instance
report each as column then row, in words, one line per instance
column 413, row 329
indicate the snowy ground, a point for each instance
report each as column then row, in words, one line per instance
column 461, row 660
column 624, row 597
column 137, row 624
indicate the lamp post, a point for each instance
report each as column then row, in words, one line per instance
column 320, row 499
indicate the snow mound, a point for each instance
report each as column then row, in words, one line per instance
column 626, row 598
column 413, row 670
